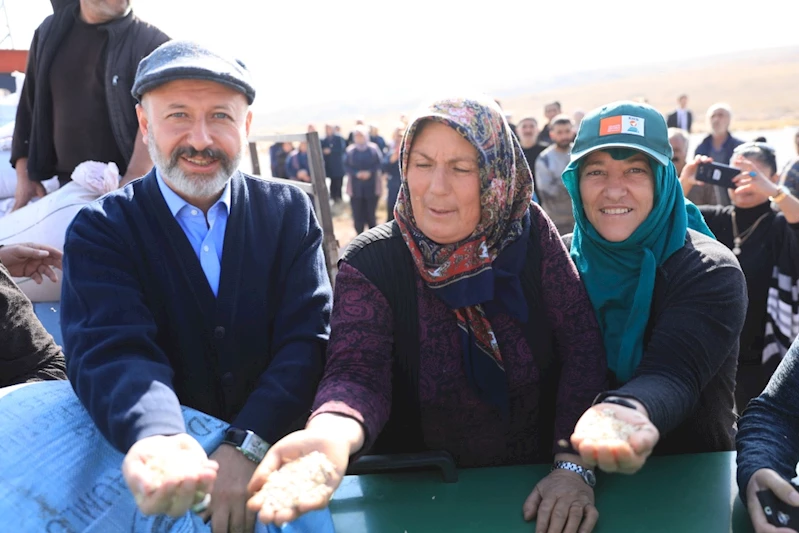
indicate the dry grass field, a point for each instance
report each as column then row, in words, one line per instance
column 761, row 86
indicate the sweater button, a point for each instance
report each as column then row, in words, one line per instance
column 219, row 333
column 227, row 379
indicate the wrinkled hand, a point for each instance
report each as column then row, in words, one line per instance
column 615, row 455
column 290, row 448
column 561, row 502
column 751, row 179
column 767, row 479
column 228, row 510
column 167, row 475
column 28, row 259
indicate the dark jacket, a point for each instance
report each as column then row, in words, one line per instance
column 295, row 162
column 686, row 378
column 27, row 351
column 768, row 428
column 673, row 122
column 334, row 161
column 129, row 40
column 144, row 331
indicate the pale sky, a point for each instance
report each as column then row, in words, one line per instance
column 316, row 51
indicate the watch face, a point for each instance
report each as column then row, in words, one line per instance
column 589, row 477
column 254, row 447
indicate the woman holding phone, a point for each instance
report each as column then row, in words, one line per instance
column 761, row 227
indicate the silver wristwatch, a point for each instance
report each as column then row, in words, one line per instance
column 585, row 473
column 248, row 443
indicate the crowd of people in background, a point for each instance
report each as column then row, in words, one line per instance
column 546, row 148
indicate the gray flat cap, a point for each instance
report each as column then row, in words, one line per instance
column 187, row 60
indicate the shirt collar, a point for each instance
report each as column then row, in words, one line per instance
column 176, row 203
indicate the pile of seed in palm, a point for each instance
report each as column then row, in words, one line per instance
column 302, row 479
column 603, row 424
column 161, row 466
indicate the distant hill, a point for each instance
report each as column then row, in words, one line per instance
column 760, row 86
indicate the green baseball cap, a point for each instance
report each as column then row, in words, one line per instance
column 624, row 124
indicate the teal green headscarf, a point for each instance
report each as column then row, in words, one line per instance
column 620, row 276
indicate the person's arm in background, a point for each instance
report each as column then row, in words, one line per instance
column 140, row 162
column 28, row 352
column 23, row 126
column 767, row 444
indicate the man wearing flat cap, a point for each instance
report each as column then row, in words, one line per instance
column 196, row 285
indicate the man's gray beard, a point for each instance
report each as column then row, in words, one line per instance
column 189, row 185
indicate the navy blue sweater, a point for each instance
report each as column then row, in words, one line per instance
column 769, row 428
column 334, row 161
column 143, row 332
column 295, row 162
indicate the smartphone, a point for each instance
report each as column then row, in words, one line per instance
column 778, row 513
column 717, row 174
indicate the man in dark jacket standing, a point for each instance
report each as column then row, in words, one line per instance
column 681, row 117
column 75, row 104
column 196, row 285
column 333, row 147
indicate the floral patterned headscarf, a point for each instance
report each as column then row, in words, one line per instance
column 478, row 276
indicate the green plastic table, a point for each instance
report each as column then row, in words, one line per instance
column 678, row 494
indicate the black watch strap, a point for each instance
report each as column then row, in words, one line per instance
column 248, row 443
column 234, row 437
column 620, row 401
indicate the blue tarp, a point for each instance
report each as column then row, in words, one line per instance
column 59, row 475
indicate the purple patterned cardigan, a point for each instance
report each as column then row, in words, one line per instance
column 357, row 376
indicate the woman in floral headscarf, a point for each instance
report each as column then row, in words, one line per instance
column 460, row 325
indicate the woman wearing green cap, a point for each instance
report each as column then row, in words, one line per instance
column 670, row 300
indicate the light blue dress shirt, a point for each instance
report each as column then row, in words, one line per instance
column 205, row 234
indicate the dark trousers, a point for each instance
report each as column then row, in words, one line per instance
column 363, row 212
column 335, row 187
